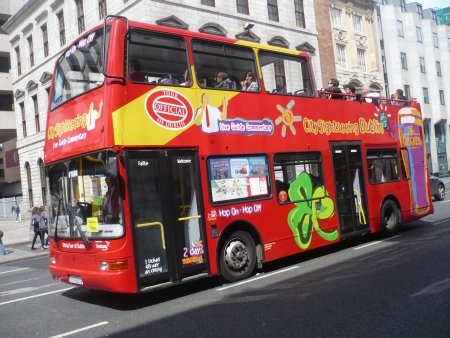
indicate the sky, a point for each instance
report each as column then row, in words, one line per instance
column 432, row 3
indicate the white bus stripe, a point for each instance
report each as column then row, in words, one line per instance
column 79, row 330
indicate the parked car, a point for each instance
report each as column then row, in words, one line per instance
column 437, row 188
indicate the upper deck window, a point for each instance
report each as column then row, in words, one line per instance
column 79, row 69
column 285, row 74
column 232, row 62
column 157, row 58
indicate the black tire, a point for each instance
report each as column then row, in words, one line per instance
column 441, row 193
column 237, row 257
column 389, row 218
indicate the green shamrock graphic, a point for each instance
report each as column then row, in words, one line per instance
column 310, row 207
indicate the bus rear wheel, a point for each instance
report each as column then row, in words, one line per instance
column 237, row 257
column 389, row 218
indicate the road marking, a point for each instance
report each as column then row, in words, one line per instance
column 79, row 330
column 27, row 289
column 256, row 278
column 376, row 242
column 35, row 296
column 20, row 281
column 444, row 221
column 445, row 201
column 1, row 273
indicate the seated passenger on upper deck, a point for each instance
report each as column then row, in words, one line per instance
column 249, row 83
column 333, row 87
column 223, row 82
column 134, row 71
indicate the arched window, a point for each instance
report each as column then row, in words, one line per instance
column 43, row 181
column 30, row 187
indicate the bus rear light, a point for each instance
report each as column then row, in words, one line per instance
column 106, row 266
column 52, row 260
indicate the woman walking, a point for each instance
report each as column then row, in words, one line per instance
column 34, row 225
column 43, row 227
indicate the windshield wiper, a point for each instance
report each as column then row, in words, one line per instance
column 73, row 218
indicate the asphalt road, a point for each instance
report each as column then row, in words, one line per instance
column 370, row 287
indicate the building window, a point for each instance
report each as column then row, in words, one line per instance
column 425, row 95
column 24, row 122
column 272, row 8
column 419, row 11
column 102, row 9
column 435, row 40
column 438, row 68
column 62, row 29
column 42, row 176
column 419, row 34
column 30, row 187
column 30, row 47
column 400, row 28
column 407, row 92
column 362, row 60
column 19, row 64
column 357, row 23
column 434, row 17
column 45, row 39
column 36, row 113
column 422, row 65
column 299, row 13
column 208, row 3
column 242, row 6
column 80, row 16
column 280, row 75
column 403, row 5
column 336, row 17
column 441, row 96
column 403, row 60
column 340, row 49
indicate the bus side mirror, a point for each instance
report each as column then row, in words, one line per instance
column 111, row 169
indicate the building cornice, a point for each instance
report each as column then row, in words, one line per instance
column 22, row 15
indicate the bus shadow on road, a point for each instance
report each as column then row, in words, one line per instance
column 127, row 302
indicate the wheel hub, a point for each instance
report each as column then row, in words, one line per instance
column 236, row 255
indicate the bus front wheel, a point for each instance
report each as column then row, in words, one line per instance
column 237, row 257
column 389, row 218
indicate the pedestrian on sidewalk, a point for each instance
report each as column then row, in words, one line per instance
column 43, row 226
column 15, row 210
column 34, row 226
column 2, row 248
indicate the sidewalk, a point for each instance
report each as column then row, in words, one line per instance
column 17, row 240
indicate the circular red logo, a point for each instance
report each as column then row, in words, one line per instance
column 169, row 109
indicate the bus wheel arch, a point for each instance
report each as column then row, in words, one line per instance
column 239, row 251
column 390, row 216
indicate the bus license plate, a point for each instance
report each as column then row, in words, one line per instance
column 75, row 280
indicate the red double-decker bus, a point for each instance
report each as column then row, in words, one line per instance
column 172, row 155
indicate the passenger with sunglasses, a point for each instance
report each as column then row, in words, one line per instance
column 333, row 87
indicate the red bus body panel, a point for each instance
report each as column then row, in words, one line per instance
column 127, row 117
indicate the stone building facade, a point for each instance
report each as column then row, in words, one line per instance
column 41, row 29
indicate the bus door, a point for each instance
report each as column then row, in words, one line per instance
column 165, row 206
column 351, row 200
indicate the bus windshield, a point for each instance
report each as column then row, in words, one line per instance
column 85, row 198
column 79, row 69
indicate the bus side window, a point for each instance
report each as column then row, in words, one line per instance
column 211, row 57
column 285, row 74
column 162, row 58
